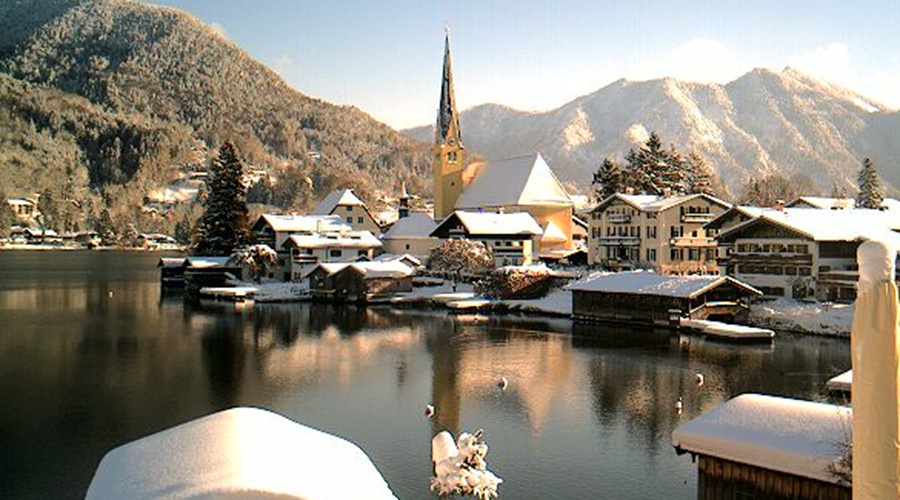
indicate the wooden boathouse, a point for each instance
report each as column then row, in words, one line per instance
column 645, row 297
column 359, row 281
column 765, row 447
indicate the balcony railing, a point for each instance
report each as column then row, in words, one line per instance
column 618, row 240
column 692, row 242
column 618, row 218
column 697, row 218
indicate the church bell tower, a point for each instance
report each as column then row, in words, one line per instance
column 448, row 150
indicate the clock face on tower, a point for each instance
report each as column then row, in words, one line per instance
column 451, row 142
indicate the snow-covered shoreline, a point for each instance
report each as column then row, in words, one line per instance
column 816, row 318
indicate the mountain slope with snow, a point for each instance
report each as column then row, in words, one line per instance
column 764, row 122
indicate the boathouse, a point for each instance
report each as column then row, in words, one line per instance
column 757, row 446
column 645, row 297
column 359, row 281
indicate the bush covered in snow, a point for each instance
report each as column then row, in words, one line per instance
column 460, row 469
column 519, row 282
column 461, row 256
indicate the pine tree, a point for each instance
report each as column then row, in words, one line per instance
column 699, row 175
column 655, row 170
column 7, row 217
column 224, row 223
column 871, row 194
column 608, row 179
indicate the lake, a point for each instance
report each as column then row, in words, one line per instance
column 93, row 355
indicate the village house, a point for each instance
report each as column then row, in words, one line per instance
column 645, row 297
column 274, row 230
column 411, row 234
column 509, row 236
column 23, row 208
column 803, row 253
column 359, row 281
column 662, row 233
column 343, row 203
column 307, row 250
column 823, row 203
column 735, row 215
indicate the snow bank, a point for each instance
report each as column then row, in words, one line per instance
column 786, row 435
column 790, row 315
column 241, row 453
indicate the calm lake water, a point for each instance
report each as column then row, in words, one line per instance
column 93, row 356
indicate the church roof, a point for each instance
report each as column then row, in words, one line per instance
column 489, row 223
column 339, row 197
column 553, row 234
column 522, row 181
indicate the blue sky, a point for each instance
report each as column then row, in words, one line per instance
column 384, row 56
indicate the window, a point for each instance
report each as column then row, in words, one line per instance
column 359, row 220
column 349, row 220
column 407, row 246
column 651, row 254
column 451, row 157
column 694, row 254
column 349, row 209
column 676, row 254
column 335, row 252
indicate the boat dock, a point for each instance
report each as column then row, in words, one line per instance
column 727, row 331
column 229, row 294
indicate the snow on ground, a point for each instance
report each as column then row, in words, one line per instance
column 557, row 302
column 277, row 291
column 818, row 318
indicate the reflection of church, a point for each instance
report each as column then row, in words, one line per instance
column 523, row 184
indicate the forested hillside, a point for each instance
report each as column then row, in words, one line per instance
column 151, row 73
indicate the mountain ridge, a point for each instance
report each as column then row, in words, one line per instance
column 761, row 123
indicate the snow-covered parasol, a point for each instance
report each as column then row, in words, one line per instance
column 875, row 346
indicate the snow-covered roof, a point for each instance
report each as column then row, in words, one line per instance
column 522, row 181
column 19, row 201
column 653, row 203
column 337, row 239
column 831, row 225
column 553, row 234
column 337, row 198
column 374, row 269
column 391, row 257
column 416, row 225
column 490, row 223
column 244, row 453
column 780, row 434
column 171, row 262
column 301, row 223
column 842, row 382
column 650, row 283
column 734, row 211
column 204, row 261
column 823, row 203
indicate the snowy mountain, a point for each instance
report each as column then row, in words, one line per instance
column 762, row 122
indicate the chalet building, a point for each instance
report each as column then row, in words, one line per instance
column 522, row 184
column 823, row 203
column 752, row 447
column 735, row 215
column 663, row 233
column 359, row 281
column 411, row 234
column 23, row 208
column 274, row 230
column 511, row 237
column 803, row 253
column 307, row 250
column 344, row 204
column 649, row 298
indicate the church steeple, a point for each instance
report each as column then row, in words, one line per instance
column 449, row 153
column 447, row 118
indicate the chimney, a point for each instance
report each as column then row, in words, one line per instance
column 667, row 192
column 779, row 205
column 629, row 190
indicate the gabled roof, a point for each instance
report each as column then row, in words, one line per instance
column 198, row 261
column 300, row 223
column 785, row 435
column 337, row 198
column 416, row 225
column 522, row 181
column 553, row 234
column 344, row 239
column 735, row 211
column 374, row 269
column 490, row 223
column 820, row 225
column 653, row 203
column 650, row 283
column 823, row 203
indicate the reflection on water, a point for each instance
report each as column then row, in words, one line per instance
column 92, row 355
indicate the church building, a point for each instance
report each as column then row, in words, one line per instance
column 523, row 184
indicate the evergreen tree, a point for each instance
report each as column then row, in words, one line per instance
column 871, row 194
column 224, row 223
column 608, row 179
column 7, row 217
column 699, row 175
column 653, row 169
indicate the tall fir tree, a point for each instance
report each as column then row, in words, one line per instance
column 223, row 227
column 871, row 193
column 7, row 217
column 608, row 179
column 699, row 175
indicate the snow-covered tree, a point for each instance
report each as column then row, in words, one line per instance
column 699, row 177
column 461, row 255
column 259, row 258
column 224, row 223
column 7, row 218
column 871, row 193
